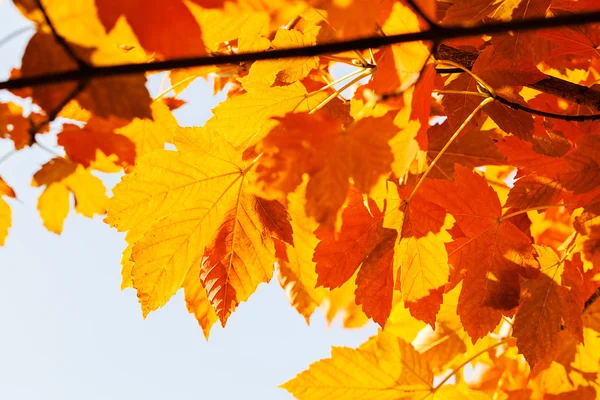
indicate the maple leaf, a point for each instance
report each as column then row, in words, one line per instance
column 81, row 145
column 201, row 202
column 385, row 367
column 330, row 153
column 420, row 259
column 197, row 302
column 264, row 73
column 61, row 177
column 256, row 109
column 369, row 205
column 14, row 126
column 538, row 321
column 297, row 274
column 490, row 255
column 240, row 255
column 44, row 55
column 362, row 242
column 186, row 40
column 149, row 134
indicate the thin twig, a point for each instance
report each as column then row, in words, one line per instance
column 61, row 40
column 468, row 360
column 567, row 117
column 7, row 156
column 436, row 34
column 14, row 34
column 54, row 113
column 448, row 143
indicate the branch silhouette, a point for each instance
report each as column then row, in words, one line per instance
column 434, row 34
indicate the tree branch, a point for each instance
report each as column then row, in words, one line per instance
column 432, row 34
column 54, row 113
column 551, row 85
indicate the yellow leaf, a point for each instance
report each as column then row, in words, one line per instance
column 247, row 118
column 342, row 301
column 263, row 74
column 423, row 264
column 151, row 134
column 61, row 178
column 386, row 367
column 197, row 301
column 297, row 274
column 182, row 202
column 400, row 323
column 241, row 254
column 53, row 205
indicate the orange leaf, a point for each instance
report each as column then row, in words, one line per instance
column 491, row 255
column 162, row 16
column 240, row 257
column 121, row 96
column 81, row 145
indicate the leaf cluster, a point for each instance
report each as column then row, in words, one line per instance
column 449, row 191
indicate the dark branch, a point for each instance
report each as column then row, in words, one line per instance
column 61, row 40
column 54, row 113
column 571, row 118
column 432, row 34
column 551, row 85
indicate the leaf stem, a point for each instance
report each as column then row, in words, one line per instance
column 448, row 143
column 468, row 360
column 330, row 84
column 167, row 90
column 364, row 73
column 468, row 71
column 514, row 214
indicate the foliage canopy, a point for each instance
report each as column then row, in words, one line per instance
column 451, row 195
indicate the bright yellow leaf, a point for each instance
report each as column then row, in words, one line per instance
column 61, row 178
column 386, row 367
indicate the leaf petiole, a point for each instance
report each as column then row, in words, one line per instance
column 342, row 79
column 448, row 143
column 363, row 73
column 468, row 360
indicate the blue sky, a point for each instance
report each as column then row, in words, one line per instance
column 68, row 332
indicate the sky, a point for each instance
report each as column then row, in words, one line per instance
column 68, row 332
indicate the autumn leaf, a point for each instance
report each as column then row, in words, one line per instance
column 44, row 55
column 491, row 254
column 296, row 270
column 204, row 207
column 82, row 144
column 386, row 367
column 330, row 153
column 241, row 256
column 256, row 109
column 170, row 43
column 61, row 178
column 469, row 232
column 362, row 242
